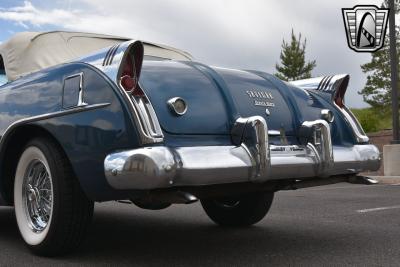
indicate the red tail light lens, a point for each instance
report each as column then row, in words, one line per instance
column 128, row 83
column 137, row 92
column 339, row 102
column 128, row 75
column 341, row 91
column 130, row 70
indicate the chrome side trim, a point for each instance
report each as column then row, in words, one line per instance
column 327, row 84
column 358, row 131
column 49, row 116
column 145, row 118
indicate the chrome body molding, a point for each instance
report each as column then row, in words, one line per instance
column 142, row 111
column 327, row 84
column 253, row 160
column 60, row 113
column 355, row 124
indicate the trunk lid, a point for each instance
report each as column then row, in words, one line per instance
column 214, row 97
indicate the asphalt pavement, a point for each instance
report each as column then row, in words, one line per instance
column 337, row 225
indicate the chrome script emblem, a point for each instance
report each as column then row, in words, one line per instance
column 261, row 98
column 365, row 27
column 259, row 94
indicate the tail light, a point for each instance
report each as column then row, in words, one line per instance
column 338, row 96
column 335, row 88
column 130, row 71
column 128, row 77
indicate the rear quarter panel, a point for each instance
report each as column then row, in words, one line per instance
column 86, row 137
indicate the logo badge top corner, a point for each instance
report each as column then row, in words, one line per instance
column 365, row 27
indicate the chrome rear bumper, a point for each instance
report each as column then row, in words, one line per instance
column 253, row 160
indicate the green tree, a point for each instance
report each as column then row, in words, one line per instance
column 377, row 90
column 294, row 66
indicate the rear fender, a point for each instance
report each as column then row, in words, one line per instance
column 333, row 90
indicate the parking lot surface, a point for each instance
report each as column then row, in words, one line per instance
column 337, row 225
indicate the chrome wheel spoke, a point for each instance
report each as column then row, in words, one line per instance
column 38, row 195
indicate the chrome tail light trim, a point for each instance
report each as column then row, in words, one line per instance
column 336, row 86
column 109, row 61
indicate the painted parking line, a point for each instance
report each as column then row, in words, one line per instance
column 347, row 186
column 378, row 209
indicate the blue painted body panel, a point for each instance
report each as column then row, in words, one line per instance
column 86, row 137
column 216, row 98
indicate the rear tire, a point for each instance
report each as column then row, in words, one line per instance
column 238, row 211
column 52, row 211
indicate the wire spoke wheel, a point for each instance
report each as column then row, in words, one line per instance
column 38, row 195
column 52, row 211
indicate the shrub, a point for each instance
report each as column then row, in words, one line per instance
column 369, row 119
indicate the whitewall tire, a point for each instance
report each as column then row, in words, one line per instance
column 33, row 204
column 52, row 211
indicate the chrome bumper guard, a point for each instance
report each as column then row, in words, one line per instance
column 253, row 160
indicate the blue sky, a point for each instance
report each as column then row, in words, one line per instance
column 9, row 28
column 236, row 33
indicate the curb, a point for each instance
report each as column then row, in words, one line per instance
column 386, row 179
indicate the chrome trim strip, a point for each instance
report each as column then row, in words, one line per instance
column 107, row 55
column 111, row 57
column 274, row 132
column 327, row 84
column 145, row 118
column 143, row 114
column 359, row 133
column 49, row 116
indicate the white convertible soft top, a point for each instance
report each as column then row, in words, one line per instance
column 27, row 52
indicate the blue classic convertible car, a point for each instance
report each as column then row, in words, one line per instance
column 87, row 117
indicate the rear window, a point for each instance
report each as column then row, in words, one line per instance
column 3, row 77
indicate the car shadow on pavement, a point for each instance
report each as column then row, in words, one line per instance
column 125, row 235
column 184, row 235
